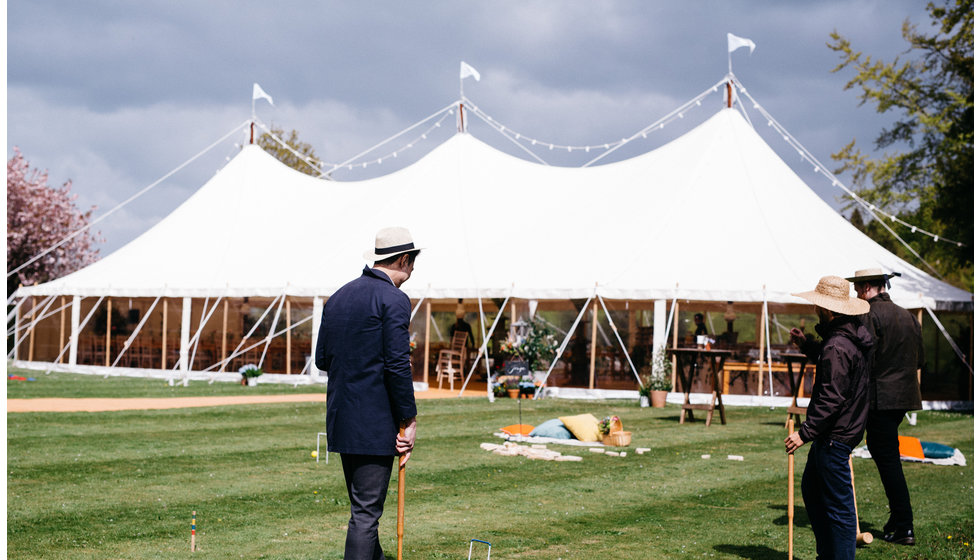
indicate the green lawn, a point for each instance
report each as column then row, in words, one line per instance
column 123, row 484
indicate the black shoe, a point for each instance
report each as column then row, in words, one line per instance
column 905, row 536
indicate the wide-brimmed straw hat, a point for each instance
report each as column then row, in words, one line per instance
column 389, row 242
column 833, row 293
column 871, row 275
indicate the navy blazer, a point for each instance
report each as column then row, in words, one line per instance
column 363, row 347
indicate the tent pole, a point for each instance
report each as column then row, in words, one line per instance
column 561, row 348
column 136, row 331
column 61, row 333
column 272, row 329
column 163, row 345
column 224, row 335
column 595, row 325
column 673, row 358
column 762, row 343
column 630, row 327
column 622, row 345
column 317, row 318
column 513, row 319
column 918, row 372
column 76, row 314
column 185, row 337
column 30, row 335
column 483, row 334
column 970, row 353
column 17, row 309
column 483, row 349
column 289, row 340
column 765, row 318
column 425, row 355
column 108, row 330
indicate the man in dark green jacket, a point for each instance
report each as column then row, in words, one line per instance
column 894, row 391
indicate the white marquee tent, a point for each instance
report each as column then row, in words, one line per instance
column 714, row 215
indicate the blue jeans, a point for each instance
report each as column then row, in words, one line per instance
column 829, row 500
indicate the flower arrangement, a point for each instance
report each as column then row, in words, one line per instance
column 606, row 424
column 659, row 379
column 412, row 343
column 250, row 370
column 538, row 347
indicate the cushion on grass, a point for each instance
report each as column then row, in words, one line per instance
column 552, row 429
column 934, row 450
column 517, row 429
column 584, row 427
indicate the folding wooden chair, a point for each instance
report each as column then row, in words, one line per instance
column 451, row 361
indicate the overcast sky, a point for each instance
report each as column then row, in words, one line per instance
column 114, row 94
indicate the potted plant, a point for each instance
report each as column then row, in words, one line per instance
column 513, row 389
column 499, row 390
column 645, row 394
column 658, row 383
column 250, row 374
column 527, row 388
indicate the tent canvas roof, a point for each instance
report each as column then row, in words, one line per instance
column 713, row 215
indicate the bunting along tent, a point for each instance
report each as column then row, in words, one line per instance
column 714, row 215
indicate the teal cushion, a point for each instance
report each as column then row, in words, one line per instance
column 936, row 450
column 552, row 428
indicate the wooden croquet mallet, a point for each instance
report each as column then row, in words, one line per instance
column 862, row 538
column 400, row 527
column 792, row 487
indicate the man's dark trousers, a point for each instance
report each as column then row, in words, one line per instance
column 367, row 479
column 883, row 444
column 829, row 499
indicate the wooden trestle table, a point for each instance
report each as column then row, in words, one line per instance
column 688, row 362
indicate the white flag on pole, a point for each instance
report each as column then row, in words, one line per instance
column 735, row 42
column 465, row 71
column 259, row 93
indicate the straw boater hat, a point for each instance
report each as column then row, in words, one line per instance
column 389, row 242
column 833, row 293
column 871, row 275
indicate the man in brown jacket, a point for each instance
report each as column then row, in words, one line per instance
column 894, row 391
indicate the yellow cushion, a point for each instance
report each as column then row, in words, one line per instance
column 584, row 427
column 517, row 429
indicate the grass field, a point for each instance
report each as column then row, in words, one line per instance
column 123, row 484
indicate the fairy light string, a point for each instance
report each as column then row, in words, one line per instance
column 528, row 144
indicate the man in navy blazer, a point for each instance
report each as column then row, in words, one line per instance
column 363, row 345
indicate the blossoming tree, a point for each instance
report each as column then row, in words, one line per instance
column 39, row 217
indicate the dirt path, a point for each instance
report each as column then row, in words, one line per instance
column 106, row 405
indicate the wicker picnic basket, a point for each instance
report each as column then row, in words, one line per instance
column 616, row 436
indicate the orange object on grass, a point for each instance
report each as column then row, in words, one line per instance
column 517, row 429
column 910, row 447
